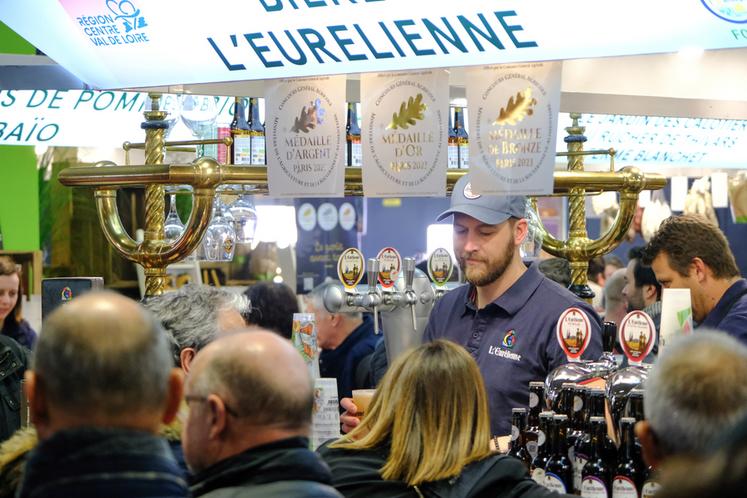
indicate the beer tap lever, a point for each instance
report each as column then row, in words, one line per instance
column 410, row 297
column 373, row 298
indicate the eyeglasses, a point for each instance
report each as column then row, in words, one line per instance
column 189, row 398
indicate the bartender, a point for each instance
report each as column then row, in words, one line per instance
column 506, row 314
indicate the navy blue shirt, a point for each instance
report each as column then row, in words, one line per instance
column 512, row 339
column 341, row 363
column 730, row 313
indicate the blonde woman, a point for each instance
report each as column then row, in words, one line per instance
column 427, row 434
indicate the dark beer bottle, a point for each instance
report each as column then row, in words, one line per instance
column 597, row 403
column 257, row 133
column 518, row 426
column 635, row 405
column 353, row 137
column 609, row 336
column 453, row 149
column 559, row 471
column 462, row 138
column 544, row 446
column 578, row 438
column 536, row 404
column 596, row 476
column 240, row 152
column 628, row 479
column 650, row 484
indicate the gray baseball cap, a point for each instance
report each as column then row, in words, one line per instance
column 489, row 209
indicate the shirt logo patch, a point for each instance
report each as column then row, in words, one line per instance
column 509, row 339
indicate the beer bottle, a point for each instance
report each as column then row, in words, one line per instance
column 518, row 426
column 544, row 445
column 578, row 438
column 536, row 403
column 462, row 138
column 240, row 152
column 635, row 405
column 257, row 133
column 628, row 479
column 597, row 402
column 559, row 471
column 596, row 475
column 453, row 150
column 353, row 137
column 650, row 484
column 609, row 337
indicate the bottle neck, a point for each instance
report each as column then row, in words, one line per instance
column 628, row 442
column 599, row 433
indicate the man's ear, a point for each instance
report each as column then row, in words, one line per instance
column 173, row 396
column 649, row 446
column 699, row 269
column 521, row 229
column 649, row 292
column 218, row 416
column 186, row 356
column 335, row 319
column 38, row 404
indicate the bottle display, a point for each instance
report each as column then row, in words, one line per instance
column 354, row 149
column 256, row 134
column 241, row 151
column 462, row 138
column 628, row 479
column 518, row 427
column 559, row 470
column 577, row 449
column 596, row 474
column 536, row 404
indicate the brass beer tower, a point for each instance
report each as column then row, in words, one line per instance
column 204, row 175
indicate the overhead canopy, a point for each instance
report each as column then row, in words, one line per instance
column 141, row 43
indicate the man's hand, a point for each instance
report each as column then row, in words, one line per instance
column 348, row 419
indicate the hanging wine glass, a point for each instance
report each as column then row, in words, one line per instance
column 173, row 226
column 531, row 248
column 219, row 242
column 245, row 218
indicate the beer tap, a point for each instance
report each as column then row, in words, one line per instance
column 411, row 299
column 372, row 299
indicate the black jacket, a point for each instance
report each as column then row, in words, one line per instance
column 282, row 469
column 355, row 473
column 14, row 359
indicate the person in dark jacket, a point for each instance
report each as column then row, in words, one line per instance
column 103, row 381
column 250, row 399
column 427, row 434
column 12, row 323
column 345, row 339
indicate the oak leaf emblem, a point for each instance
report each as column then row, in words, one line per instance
column 409, row 113
column 518, row 107
column 306, row 121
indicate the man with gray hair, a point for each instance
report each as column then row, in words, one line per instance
column 241, row 441
column 615, row 303
column 194, row 315
column 695, row 391
column 346, row 341
column 102, row 382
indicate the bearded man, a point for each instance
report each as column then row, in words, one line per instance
column 506, row 314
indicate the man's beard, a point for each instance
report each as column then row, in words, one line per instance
column 494, row 270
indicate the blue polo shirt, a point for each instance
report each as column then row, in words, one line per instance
column 730, row 313
column 512, row 339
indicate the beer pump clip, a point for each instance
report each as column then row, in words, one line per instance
column 637, row 336
column 573, row 332
column 440, row 267
column 350, row 267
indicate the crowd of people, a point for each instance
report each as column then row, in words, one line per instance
column 200, row 392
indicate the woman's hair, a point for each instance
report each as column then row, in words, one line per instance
column 431, row 407
column 272, row 307
column 9, row 267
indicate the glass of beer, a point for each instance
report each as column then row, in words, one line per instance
column 362, row 398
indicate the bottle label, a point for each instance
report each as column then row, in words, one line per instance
column 464, row 156
column 258, row 149
column 454, row 157
column 623, row 487
column 539, row 476
column 650, row 488
column 554, row 483
column 514, row 433
column 532, row 449
column 579, row 460
column 533, row 400
column 578, row 404
column 223, row 132
column 356, row 155
column 242, row 149
column 593, row 487
column 540, row 438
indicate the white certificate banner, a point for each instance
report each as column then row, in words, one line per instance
column 305, row 127
column 139, row 43
column 405, row 124
column 513, row 125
